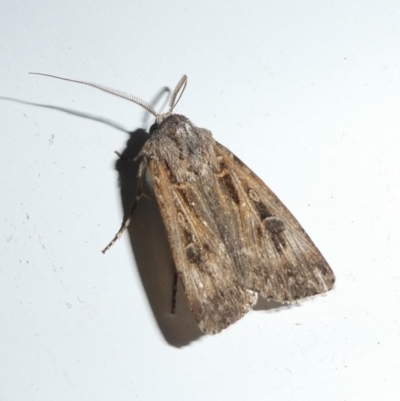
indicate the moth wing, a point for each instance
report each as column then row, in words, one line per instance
column 215, row 295
column 275, row 256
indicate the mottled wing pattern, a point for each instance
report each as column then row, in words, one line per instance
column 215, row 294
column 273, row 255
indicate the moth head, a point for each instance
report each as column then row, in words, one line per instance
column 160, row 117
column 173, row 101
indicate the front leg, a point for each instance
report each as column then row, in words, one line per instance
column 139, row 193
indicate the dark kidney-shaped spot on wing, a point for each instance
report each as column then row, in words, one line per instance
column 275, row 228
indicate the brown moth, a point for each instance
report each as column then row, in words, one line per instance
column 231, row 238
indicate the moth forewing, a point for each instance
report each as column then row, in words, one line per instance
column 284, row 264
column 202, row 262
column 231, row 237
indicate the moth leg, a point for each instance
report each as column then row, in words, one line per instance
column 174, row 291
column 127, row 221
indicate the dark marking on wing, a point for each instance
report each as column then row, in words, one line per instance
column 262, row 210
column 193, row 253
column 275, row 228
column 226, row 180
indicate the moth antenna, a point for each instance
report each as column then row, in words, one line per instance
column 103, row 88
column 179, row 89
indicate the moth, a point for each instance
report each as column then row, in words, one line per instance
column 231, row 238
